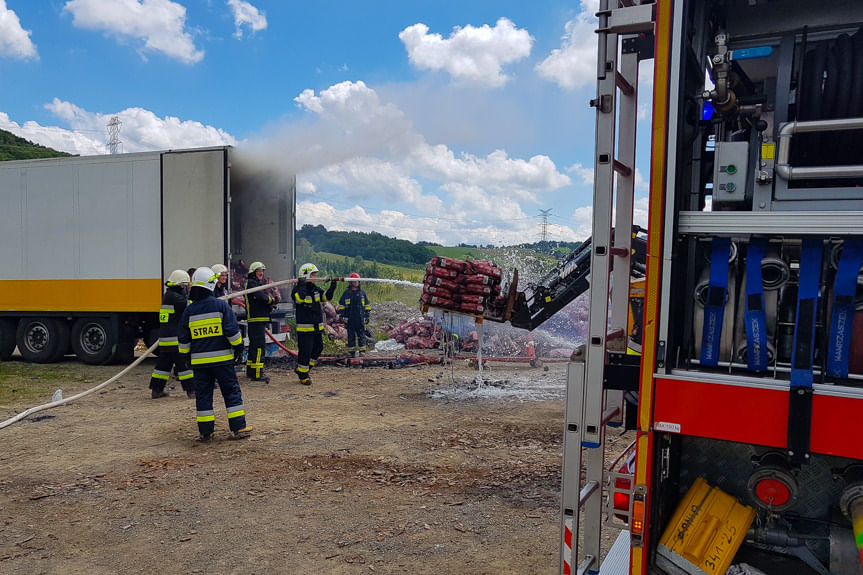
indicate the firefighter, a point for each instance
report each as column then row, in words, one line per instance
column 258, row 306
column 307, row 298
column 209, row 334
column 173, row 303
column 354, row 308
column 222, row 286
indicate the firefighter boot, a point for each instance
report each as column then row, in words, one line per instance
column 157, row 393
column 206, row 438
column 244, row 432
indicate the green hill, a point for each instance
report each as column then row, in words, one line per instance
column 368, row 246
column 13, row 147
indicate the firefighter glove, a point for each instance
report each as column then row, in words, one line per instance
column 238, row 355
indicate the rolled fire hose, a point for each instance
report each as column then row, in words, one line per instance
column 153, row 347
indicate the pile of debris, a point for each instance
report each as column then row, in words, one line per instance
column 465, row 286
column 417, row 333
column 334, row 327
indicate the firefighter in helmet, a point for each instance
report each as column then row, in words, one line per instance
column 210, row 335
column 258, row 307
column 354, row 308
column 307, row 298
column 221, row 283
column 173, row 303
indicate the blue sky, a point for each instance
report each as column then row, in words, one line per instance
column 441, row 121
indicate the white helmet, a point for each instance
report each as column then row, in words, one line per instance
column 205, row 278
column 306, row 270
column 218, row 269
column 177, row 277
column 256, row 266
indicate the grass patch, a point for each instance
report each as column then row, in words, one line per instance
column 458, row 252
column 22, row 380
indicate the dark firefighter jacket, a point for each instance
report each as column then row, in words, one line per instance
column 209, row 331
column 354, row 306
column 258, row 304
column 307, row 298
column 173, row 303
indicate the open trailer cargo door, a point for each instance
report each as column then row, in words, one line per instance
column 194, row 201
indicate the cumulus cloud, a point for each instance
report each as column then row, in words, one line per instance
column 247, row 15
column 15, row 41
column 471, row 54
column 141, row 130
column 391, row 223
column 585, row 174
column 573, row 65
column 583, row 217
column 54, row 137
column 160, row 24
column 383, row 180
column 497, row 171
column 351, row 126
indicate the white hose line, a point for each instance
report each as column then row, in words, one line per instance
column 153, row 347
column 38, row 408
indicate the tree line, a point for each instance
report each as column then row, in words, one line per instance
column 368, row 246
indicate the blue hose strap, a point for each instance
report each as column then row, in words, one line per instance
column 755, row 318
column 844, row 290
column 807, row 305
column 714, row 306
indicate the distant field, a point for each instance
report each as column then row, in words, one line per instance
column 458, row 252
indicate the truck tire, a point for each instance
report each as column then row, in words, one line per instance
column 42, row 339
column 7, row 338
column 94, row 340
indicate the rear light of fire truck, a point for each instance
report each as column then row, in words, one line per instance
column 636, row 526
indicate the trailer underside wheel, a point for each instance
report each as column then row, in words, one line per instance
column 42, row 340
column 94, row 340
column 7, row 338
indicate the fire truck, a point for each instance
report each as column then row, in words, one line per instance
column 745, row 395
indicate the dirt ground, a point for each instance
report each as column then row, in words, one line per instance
column 372, row 470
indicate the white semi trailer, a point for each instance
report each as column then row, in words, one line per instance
column 86, row 243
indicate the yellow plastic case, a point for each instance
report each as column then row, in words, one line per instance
column 705, row 532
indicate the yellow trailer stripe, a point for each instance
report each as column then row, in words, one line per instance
column 94, row 295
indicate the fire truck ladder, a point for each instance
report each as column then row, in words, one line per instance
column 590, row 407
